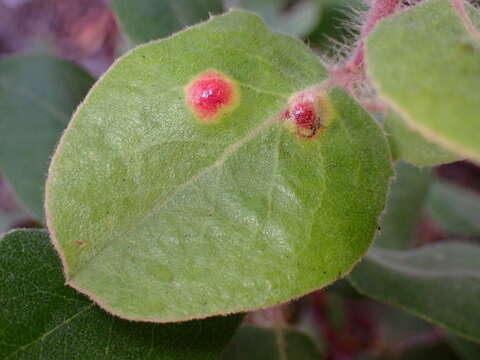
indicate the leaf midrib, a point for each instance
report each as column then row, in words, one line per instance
column 229, row 151
column 51, row 331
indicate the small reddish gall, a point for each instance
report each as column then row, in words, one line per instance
column 210, row 95
column 304, row 114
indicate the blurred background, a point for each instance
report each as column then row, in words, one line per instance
column 426, row 205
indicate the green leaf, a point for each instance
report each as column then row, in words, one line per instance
column 409, row 145
column 467, row 350
column 255, row 343
column 422, row 351
column 396, row 326
column 195, row 218
column 406, row 337
column 405, row 203
column 146, row 20
column 432, row 79
column 439, row 283
column 42, row 318
column 455, row 209
column 299, row 20
column 38, row 94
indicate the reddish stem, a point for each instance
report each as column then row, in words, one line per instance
column 378, row 10
column 459, row 7
column 347, row 74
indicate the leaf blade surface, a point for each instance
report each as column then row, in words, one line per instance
column 197, row 219
column 40, row 317
column 439, row 283
column 432, row 79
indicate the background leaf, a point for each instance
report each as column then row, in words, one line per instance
column 455, row 209
column 467, row 350
column 432, row 79
column 38, row 94
column 298, row 20
column 255, row 343
column 198, row 219
column 438, row 351
column 408, row 145
column 336, row 30
column 405, row 203
column 146, row 20
column 42, row 318
column 439, row 283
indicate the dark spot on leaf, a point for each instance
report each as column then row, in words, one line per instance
column 307, row 113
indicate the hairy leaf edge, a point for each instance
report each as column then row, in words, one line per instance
column 101, row 303
column 398, row 159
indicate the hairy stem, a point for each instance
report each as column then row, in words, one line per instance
column 378, row 10
column 354, row 67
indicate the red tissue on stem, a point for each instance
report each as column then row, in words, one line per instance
column 347, row 74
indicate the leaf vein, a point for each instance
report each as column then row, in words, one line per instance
column 229, row 151
column 43, row 336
